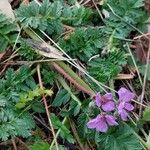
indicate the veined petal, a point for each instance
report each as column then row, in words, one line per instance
column 108, row 96
column 125, row 95
column 108, row 106
column 124, row 115
column 121, row 106
column 102, row 125
column 111, row 120
column 92, row 123
column 98, row 100
column 129, row 106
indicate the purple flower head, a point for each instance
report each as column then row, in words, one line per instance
column 125, row 106
column 125, row 95
column 123, row 109
column 105, row 101
column 101, row 123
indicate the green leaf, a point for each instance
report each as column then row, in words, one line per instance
column 62, row 97
column 14, row 122
column 64, row 131
column 31, row 95
column 119, row 138
column 146, row 114
column 104, row 69
column 50, row 17
column 138, row 3
column 8, row 32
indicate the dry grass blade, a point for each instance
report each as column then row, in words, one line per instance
column 145, row 77
column 45, row 49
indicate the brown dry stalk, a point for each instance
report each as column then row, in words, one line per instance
column 14, row 144
column 46, row 108
column 61, row 71
column 22, row 143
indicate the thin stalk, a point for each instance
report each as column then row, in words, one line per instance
column 73, row 63
column 32, row 62
column 57, row 133
column 75, row 133
column 46, row 108
column 123, row 20
column 14, row 144
column 75, row 76
column 66, row 87
column 17, row 39
column 100, row 14
column 34, row 36
column 140, row 139
column 142, row 142
column 144, row 82
column 72, row 80
column 136, row 67
column 111, row 84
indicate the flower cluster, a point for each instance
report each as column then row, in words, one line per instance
column 108, row 105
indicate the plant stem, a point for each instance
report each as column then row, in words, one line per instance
column 57, row 133
column 145, row 77
column 46, row 108
column 72, row 124
column 66, row 87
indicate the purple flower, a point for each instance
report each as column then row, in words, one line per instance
column 101, row 123
column 125, row 106
column 105, row 101
column 125, row 95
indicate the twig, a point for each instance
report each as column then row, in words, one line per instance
column 32, row 62
column 145, row 35
column 86, row 2
column 140, row 79
column 14, row 144
column 98, row 10
column 36, row 118
column 20, row 141
column 60, row 70
column 141, row 104
column 145, row 77
column 46, row 108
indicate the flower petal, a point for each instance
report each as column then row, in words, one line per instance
column 121, row 106
column 102, row 125
column 92, row 123
column 124, row 115
column 108, row 96
column 108, row 106
column 125, row 95
column 128, row 106
column 98, row 100
column 111, row 120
